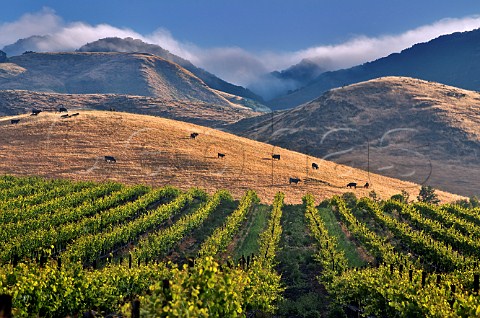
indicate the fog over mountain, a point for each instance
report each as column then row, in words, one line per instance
column 449, row 59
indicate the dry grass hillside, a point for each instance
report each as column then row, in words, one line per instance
column 139, row 74
column 15, row 102
column 400, row 127
column 119, row 73
column 159, row 151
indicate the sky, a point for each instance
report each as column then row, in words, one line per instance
column 242, row 40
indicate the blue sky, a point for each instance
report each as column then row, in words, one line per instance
column 254, row 24
column 239, row 40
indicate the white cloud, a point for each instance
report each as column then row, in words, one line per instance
column 38, row 23
column 230, row 63
column 362, row 49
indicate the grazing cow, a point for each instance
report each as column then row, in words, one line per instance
column 314, row 166
column 294, row 180
column 221, row 155
column 110, row 159
column 62, row 110
column 352, row 185
column 193, row 135
column 35, row 112
column 64, row 116
column 275, row 156
column 14, row 121
column 76, row 114
column 366, row 185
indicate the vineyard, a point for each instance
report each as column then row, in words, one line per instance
column 107, row 249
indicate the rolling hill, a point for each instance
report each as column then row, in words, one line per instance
column 400, row 127
column 139, row 74
column 158, row 151
column 15, row 102
column 449, row 59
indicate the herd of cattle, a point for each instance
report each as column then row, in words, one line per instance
column 194, row 135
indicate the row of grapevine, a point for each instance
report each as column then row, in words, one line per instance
column 379, row 247
column 448, row 235
column 20, row 188
column 437, row 253
column 331, row 259
column 157, row 244
column 221, row 237
column 397, row 292
column 265, row 282
column 37, row 241
column 24, row 208
column 270, row 238
column 87, row 248
column 46, row 220
column 471, row 215
column 448, row 219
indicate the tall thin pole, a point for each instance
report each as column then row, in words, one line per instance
column 368, row 159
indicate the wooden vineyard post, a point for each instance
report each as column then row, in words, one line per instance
column 129, row 261
column 452, row 298
column 166, row 292
column 136, row 308
column 475, row 283
column 424, row 277
column 5, row 306
column 439, row 278
column 410, row 275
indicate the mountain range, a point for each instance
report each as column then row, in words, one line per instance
column 451, row 59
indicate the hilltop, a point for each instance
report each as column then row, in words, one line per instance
column 158, row 151
column 449, row 59
column 400, row 127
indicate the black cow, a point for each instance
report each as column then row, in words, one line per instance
column 76, row 114
column 275, row 156
column 62, row 110
column 366, row 185
column 193, row 135
column 352, row 185
column 64, row 116
column 110, row 159
column 294, row 180
column 314, row 166
column 221, row 155
column 14, row 121
column 35, row 112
